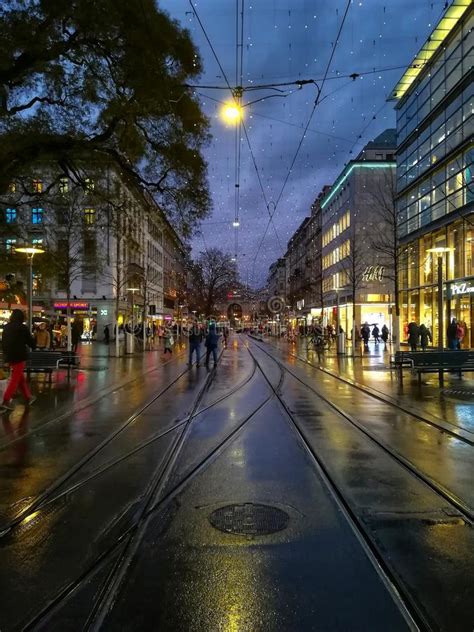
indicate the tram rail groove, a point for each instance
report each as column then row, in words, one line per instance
column 448, row 496
column 415, row 617
column 386, row 399
column 51, row 607
column 85, row 403
column 144, row 444
column 40, row 499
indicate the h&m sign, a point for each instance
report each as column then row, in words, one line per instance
column 373, row 273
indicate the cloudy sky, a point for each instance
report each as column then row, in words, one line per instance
column 285, row 41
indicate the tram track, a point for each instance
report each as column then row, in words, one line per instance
column 151, row 501
column 41, row 498
column 367, row 390
column 448, row 496
column 413, row 614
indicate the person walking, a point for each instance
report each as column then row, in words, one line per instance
column 376, row 334
column 225, row 334
column 413, row 335
column 452, row 335
column 75, row 335
column 365, row 333
column 169, row 341
column 195, row 339
column 106, row 334
column 425, row 336
column 385, row 334
column 42, row 337
column 212, row 340
column 15, row 342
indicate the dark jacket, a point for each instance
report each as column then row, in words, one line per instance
column 212, row 339
column 413, row 333
column 452, row 330
column 195, row 336
column 425, row 335
column 15, row 342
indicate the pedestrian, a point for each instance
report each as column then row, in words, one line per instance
column 365, row 333
column 15, row 342
column 195, row 339
column 376, row 334
column 385, row 334
column 413, row 335
column 225, row 335
column 106, row 335
column 212, row 340
column 75, row 335
column 425, row 335
column 42, row 337
column 169, row 341
column 460, row 332
column 452, row 335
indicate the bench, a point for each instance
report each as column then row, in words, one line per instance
column 434, row 361
column 49, row 361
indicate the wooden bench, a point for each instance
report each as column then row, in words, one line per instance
column 434, row 361
column 49, row 361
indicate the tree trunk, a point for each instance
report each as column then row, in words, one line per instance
column 117, row 298
column 68, row 317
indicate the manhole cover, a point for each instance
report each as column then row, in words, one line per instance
column 249, row 519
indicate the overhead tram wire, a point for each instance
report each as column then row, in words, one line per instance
column 315, row 105
column 229, row 87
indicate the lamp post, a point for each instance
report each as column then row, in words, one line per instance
column 133, row 290
column 30, row 252
column 440, row 251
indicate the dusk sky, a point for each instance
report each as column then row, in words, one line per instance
column 288, row 40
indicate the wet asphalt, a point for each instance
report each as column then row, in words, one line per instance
column 266, row 495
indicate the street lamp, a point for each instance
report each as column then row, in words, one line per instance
column 232, row 112
column 440, row 251
column 30, row 252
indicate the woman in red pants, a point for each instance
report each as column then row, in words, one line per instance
column 15, row 342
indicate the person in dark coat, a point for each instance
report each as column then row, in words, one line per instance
column 425, row 335
column 385, row 333
column 212, row 340
column 451, row 334
column 15, row 342
column 413, row 335
column 376, row 334
column 195, row 339
column 76, row 332
column 106, row 335
column 365, row 333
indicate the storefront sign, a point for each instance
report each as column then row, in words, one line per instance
column 461, row 288
column 373, row 273
column 104, row 312
column 72, row 305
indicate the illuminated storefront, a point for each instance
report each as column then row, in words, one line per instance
column 435, row 189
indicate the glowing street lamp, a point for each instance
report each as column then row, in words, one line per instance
column 30, row 252
column 232, row 113
column 236, row 223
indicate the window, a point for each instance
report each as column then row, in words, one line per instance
column 10, row 215
column 89, row 184
column 37, row 186
column 37, row 216
column 89, row 216
column 10, row 245
column 37, row 242
column 63, row 185
column 12, row 187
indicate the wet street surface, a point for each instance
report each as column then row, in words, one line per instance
column 267, row 495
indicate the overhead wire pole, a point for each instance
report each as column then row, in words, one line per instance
column 315, row 105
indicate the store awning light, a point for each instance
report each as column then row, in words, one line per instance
column 30, row 250
column 444, row 27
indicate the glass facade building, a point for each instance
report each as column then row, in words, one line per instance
column 435, row 163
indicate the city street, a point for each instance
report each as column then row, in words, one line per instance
column 268, row 494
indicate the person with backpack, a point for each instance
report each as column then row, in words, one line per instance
column 212, row 341
column 169, row 341
column 376, row 334
column 385, row 334
column 452, row 335
column 15, row 342
column 365, row 333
